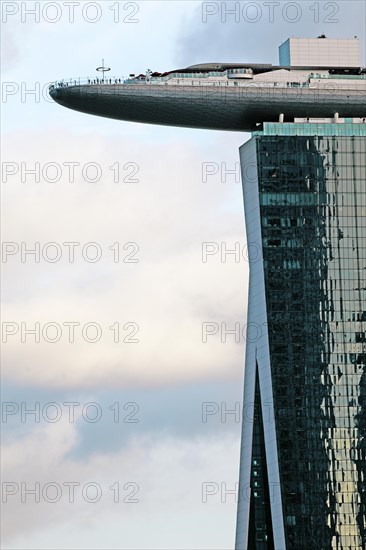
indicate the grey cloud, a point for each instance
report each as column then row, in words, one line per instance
column 249, row 40
column 175, row 411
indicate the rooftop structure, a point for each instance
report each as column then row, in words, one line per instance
column 321, row 51
column 220, row 96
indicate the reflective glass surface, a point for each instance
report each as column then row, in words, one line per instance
column 312, row 191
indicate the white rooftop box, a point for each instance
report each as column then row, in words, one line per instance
column 320, row 52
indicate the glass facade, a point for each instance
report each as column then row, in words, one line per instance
column 310, row 193
column 260, row 522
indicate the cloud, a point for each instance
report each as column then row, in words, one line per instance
column 9, row 50
column 168, row 294
column 164, row 475
column 235, row 31
column 192, row 410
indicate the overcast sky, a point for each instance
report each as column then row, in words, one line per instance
column 120, row 311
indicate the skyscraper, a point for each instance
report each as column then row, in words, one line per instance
column 304, row 456
column 303, row 453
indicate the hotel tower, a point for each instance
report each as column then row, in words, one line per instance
column 303, row 454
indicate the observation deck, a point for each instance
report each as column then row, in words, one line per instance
column 219, row 96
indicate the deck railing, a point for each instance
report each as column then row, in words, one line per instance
column 163, row 81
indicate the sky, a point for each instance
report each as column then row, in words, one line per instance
column 113, row 328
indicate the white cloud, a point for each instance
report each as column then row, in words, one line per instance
column 167, row 476
column 168, row 294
